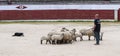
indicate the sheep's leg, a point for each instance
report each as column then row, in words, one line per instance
column 65, row 41
column 70, row 41
column 94, row 37
column 56, row 41
column 88, row 37
column 59, row 41
column 75, row 39
column 46, row 41
column 81, row 38
column 49, row 41
column 53, row 41
column 41, row 41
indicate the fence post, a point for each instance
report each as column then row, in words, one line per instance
column 116, row 15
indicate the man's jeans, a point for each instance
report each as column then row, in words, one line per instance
column 97, row 37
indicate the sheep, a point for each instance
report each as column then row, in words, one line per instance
column 88, row 32
column 67, row 35
column 50, row 34
column 45, row 38
column 78, row 35
column 57, row 38
column 73, row 31
column 54, row 33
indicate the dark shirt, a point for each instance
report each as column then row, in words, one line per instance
column 97, row 25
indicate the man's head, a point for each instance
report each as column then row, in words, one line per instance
column 96, row 16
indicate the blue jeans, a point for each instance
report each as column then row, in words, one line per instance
column 97, row 37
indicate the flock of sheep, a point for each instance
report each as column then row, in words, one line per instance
column 67, row 36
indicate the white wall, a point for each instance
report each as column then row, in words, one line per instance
column 53, row 7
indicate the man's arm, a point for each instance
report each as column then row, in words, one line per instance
column 94, row 24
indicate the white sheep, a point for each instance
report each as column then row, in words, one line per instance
column 87, row 32
column 73, row 31
column 78, row 35
column 54, row 33
column 50, row 34
column 57, row 38
column 68, row 35
column 45, row 38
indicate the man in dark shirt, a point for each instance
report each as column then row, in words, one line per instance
column 97, row 27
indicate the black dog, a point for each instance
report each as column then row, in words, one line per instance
column 18, row 34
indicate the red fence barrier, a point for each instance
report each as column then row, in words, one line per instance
column 119, row 15
column 54, row 14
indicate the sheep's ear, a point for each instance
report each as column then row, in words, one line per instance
column 67, row 30
column 63, row 28
column 74, row 30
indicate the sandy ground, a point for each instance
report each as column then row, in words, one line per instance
column 29, row 45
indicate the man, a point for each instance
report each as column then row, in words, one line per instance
column 97, row 27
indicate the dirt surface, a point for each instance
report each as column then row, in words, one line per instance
column 29, row 45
